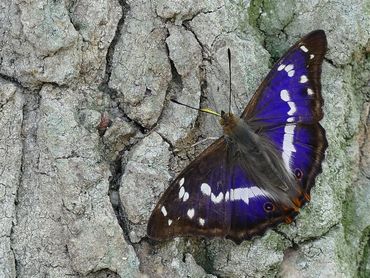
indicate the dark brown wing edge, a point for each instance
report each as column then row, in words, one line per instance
column 316, row 169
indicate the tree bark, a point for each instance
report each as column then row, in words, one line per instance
column 90, row 139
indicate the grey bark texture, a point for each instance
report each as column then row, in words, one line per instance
column 90, row 140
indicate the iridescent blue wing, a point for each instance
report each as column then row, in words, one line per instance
column 253, row 209
column 291, row 92
column 303, row 148
column 288, row 106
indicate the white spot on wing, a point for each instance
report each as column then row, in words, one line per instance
column 291, row 73
column 186, row 197
column 304, row 49
column 288, row 147
column 206, row 189
column 289, row 129
column 201, row 221
column 284, row 95
column 169, row 222
column 289, row 67
column 217, row 199
column 247, row 193
column 310, row 92
column 191, row 213
column 181, row 192
column 281, row 67
column 164, row 211
column 181, row 182
column 293, row 108
column 312, row 56
column 303, row 79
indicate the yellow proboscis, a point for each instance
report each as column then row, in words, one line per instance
column 207, row 110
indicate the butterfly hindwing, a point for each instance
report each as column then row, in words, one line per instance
column 194, row 203
column 302, row 147
column 253, row 209
column 214, row 196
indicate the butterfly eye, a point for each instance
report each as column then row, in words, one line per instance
column 268, row 207
column 298, row 173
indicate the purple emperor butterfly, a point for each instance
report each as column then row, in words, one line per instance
column 261, row 171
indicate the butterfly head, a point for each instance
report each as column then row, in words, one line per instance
column 228, row 122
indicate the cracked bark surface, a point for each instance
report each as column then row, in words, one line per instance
column 90, row 139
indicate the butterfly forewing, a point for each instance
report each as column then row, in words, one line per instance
column 291, row 92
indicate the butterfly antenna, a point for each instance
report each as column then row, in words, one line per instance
column 229, row 56
column 206, row 110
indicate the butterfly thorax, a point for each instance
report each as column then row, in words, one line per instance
column 237, row 130
column 228, row 122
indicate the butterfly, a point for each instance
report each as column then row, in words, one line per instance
column 260, row 172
